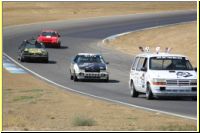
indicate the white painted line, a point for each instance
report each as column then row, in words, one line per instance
column 11, row 67
column 103, row 98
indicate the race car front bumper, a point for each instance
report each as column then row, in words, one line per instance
column 185, row 91
column 35, row 57
column 92, row 75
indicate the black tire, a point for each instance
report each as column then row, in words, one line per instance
column 194, row 98
column 149, row 94
column 75, row 78
column 46, row 60
column 134, row 93
column 58, row 45
column 71, row 76
column 107, row 80
column 22, row 59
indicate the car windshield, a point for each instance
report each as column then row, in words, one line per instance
column 170, row 63
column 49, row 34
column 34, row 45
column 89, row 59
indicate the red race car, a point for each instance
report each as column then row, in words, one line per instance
column 50, row 38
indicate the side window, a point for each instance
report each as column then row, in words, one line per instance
column 22, row 45
column 140, row 63
column 75, row 59
column 145, row 63
column 135, row 63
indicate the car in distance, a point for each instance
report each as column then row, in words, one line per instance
column 162, row 74
column 50, row 38
column 32, row 50
column 89, row 66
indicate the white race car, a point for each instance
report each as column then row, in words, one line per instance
column 89, row 66
column 162, row 74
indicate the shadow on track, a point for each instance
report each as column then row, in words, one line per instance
column 100, row 81
column 40, row 62
column 164, row 98
column 61, row 47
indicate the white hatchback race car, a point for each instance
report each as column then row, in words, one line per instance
column 89, row 66
column 162, row 74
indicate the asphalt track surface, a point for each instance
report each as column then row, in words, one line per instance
column 85, row 35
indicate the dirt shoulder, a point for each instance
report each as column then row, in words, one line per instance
column 15, row 13
column 32, row 104
column 182, row 38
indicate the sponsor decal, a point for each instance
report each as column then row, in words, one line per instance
column 183, row 74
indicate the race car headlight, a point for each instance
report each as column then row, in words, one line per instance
column 26, row 51
column 102, row 68
column 159, row 82
column 44, row 52
column 193, row 82
column 81, row 68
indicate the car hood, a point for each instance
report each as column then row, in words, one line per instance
column 173, row 74
column 91, row 66
column 35, row 50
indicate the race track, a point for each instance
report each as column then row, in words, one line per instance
column 84, row 35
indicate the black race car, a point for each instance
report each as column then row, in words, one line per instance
column 32, row 50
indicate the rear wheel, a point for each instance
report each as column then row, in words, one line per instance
column 134, row 93
column 149, row 94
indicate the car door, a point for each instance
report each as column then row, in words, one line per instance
column 73, row 61
column 133, row 73
column 21, row 48
column 141, row 70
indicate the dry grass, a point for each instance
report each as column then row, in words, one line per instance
column 182, row 38
column 31, row 104
column 28, row 12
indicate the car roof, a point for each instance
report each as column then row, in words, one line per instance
column 49, row 30
column 88, row 54
column 147, row 54
column 32, row 41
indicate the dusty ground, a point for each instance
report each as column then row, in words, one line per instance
column 32, row 104
column 182, row 38
column 29, row 12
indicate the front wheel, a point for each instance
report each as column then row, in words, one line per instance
column 134, row 93
column 59, row 45
column 194, row 98
column 75, row 77
column 107, row 79
column 149, row 94
column 21, row 58
column 46, row 60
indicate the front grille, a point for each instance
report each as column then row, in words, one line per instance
column 179, row 82
column 92, row 70
column 92, row 75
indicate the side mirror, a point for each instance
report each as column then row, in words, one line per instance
column 195, row 69
column 107, row 63
column 58, row 35
column 144, row 69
